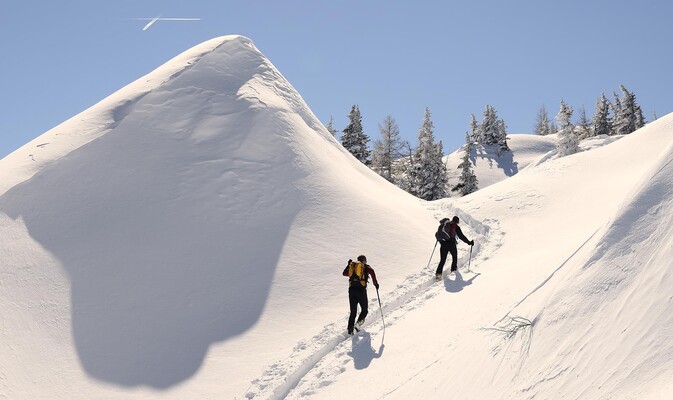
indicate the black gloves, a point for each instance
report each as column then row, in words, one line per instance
column 376, row 285
column 471, row 242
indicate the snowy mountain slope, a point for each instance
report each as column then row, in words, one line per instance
column 525, row 151
column 491, row 168
column 192, row 224
column 580, row 247
column 194, row 248
column 92, row 123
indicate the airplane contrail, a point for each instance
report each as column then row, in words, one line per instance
column 155, row 19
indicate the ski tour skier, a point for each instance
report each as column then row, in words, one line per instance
column 446, row 236
column 358, row 273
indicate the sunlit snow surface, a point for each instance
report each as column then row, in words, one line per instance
column 185, row 237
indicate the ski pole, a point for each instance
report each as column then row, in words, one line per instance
column 433, row 253
column 470, row 260
column 380, row 308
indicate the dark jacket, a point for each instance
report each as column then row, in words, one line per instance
column 452, row 229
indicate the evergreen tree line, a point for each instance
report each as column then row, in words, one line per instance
column 620, row 117
column 421, row 170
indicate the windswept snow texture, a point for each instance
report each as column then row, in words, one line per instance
column 185, row 237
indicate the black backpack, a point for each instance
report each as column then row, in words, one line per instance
column 441, row 235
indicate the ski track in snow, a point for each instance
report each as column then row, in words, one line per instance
column 325, row 356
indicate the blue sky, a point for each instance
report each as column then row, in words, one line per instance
column 389, row 57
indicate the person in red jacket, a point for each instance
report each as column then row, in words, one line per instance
column 446, row 235
column 358, row 274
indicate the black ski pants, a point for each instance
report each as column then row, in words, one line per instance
column 357, row 295
column 445, row 248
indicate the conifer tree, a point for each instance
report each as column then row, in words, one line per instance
column 468, row 180
column 568, row 143
column 602, row 123
column 330, row 127
column 502, row 138
column 542, row 122
column 402, row 174
column 354, row 139
column 583, row 125
column 428, row 171
column 474, row 129
column 387, row 149
column 616, row 112
column 493, row 131
column 552, row 127
column 628, row 115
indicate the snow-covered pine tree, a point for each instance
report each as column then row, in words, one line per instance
column 387, row 149
column 402, row 168
column 468, row 182
column 542, row 122
column 583, row 129
column 330, row 126
column 354, row 139
column 474, row 129
column 629, row 116
column 428, row 172
column 502, row 138
column 552, row 127
column 616, row 113
column 568, row 143
column 602, row 123
column 440, row 172
column 493, row 130
column 640, row 118
column 489, row 127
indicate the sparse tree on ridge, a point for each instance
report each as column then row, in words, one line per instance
column 468, row 180
column 354, row 139
column 602, row 123
column 616, row 112
column 552, row 127
column 402, row 168
column 428, row 171
column 568, row 143
column 474, row 129
column 542, row 122
column 330, row 126
column 628, row 115
column 502, row 138
column 583, row 124
column 493, row 131
column 387, row 149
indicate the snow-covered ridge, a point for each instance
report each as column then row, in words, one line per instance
column 100, row 118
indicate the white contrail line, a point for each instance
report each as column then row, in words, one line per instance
column 165, row 19
column 150, row 23
column 155, row 19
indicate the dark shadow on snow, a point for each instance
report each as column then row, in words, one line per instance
column 170, row 241
column 488, row 154
column 362, row 351
column 457, row 283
